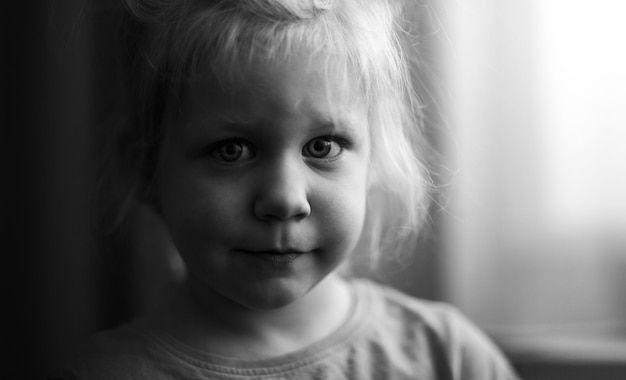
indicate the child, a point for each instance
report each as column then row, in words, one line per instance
column 278, row 140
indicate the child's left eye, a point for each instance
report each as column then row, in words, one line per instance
column 323, row 147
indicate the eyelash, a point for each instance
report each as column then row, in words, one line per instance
column 217, row 150
column 341, row 142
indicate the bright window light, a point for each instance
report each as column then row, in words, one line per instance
column 582, row 77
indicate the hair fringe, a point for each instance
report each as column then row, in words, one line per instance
column 281, row 10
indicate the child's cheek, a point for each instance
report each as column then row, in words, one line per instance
column 340, row 212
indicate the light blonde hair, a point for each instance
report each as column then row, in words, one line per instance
column 176, row 40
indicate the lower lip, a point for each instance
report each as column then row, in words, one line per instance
column 280, row 258
column 276, row 258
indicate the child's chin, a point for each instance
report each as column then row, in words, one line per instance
column 273, row 296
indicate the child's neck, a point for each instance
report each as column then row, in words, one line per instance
column 217, row 325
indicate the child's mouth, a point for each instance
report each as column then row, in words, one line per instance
column 278, row 257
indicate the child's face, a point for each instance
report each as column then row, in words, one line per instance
column 263, row 187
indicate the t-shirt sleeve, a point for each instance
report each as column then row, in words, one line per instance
column 471, row 354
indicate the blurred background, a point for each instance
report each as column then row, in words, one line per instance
column 528, row 111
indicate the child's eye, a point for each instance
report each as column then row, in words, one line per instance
column 323, row 147
column 232, row 151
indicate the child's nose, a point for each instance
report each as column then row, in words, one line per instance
column 282, row 193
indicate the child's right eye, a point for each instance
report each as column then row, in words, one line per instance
column 231, row 151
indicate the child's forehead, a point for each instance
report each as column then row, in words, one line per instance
column 282, row 78
column 262, row 90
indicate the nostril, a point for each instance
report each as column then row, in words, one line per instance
column 303, row 212
column 285, row 206
column 282, row 209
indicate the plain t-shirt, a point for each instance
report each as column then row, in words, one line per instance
column 389, row 335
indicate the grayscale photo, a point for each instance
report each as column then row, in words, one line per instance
column 315, row 189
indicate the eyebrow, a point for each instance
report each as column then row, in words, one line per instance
column 342, row 122
column 326, row 126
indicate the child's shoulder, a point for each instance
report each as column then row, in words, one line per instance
column 435, row 331
column 389, row 302
column 121, row 353
column 438, row 320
